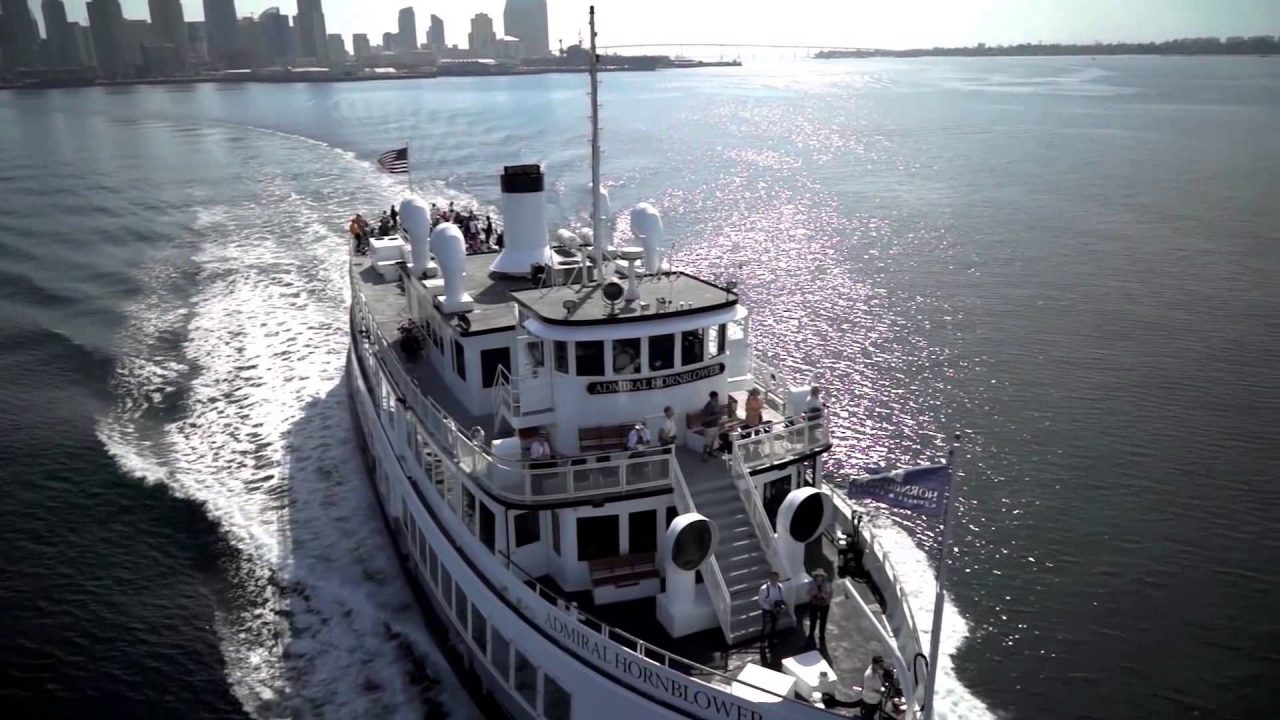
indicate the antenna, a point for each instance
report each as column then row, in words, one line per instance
column 596, row 234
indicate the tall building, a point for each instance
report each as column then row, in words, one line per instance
column 249, row 52
column 337, row 48
column 19, row 34
column 197, row 41
column 435, row 34
column 481, row 38
column 169, row 26
column 527, row 20
column 62, row 41
column 84, row 44
column 313, row 41
column 388, row 42
column 110, row 38
column 220, row 26
column 360, row 45
column 277, row 36
column 408, row 36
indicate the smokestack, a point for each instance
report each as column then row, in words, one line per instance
column 415, row 220
column 524, row 211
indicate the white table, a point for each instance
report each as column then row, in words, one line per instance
column 778, row 685
column 806, row 669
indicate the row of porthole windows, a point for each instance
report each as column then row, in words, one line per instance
column 539, row 691
column 655, row 353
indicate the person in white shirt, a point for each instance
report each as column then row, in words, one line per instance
column 872, row 688
column 540, row 452
column 813, row 404
column 638, row 438
column 667, row 432
column 772, row 603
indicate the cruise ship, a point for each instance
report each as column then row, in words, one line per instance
column 589, row 475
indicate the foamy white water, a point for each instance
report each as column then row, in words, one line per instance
column 247, row 414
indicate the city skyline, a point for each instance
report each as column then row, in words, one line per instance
column 890, row 26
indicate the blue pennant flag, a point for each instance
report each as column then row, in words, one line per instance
column 922, row 489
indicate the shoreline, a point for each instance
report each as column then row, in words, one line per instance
column 270, row 77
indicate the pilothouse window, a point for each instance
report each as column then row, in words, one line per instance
column 626, row 356
column 589, row 355
column 715, row 341
column 691, row 348
column 662, row 352
column 562, row 357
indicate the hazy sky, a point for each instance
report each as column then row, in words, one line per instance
column 859, row 23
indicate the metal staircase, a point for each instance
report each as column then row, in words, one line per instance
column 741, row 556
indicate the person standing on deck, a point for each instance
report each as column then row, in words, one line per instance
column 667, row 432
column 772, row 603
column 488, row 230
column 872, row 688
column 395, row 217
column 819, row 605
column 710, row 423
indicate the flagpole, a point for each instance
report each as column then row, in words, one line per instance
column 935, row 635
column 408, row 165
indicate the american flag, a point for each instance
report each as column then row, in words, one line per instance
column 395, row 161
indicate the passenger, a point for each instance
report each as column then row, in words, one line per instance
column 819, row 605
column 501, row 243
column 755, row 409
column 872, row 688
column 813, row 404
column 667, row 433
column 710, row 423
column 638, row 438
column 435, row 214
column 395, row 217
column 384, row 226
column 540, row 453
column 357, row 229
column 727, row 426
column 488, row 229
column 772, row 603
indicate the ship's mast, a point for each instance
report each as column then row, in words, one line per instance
column 597, row 237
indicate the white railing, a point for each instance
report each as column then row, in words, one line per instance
column 794, row 436
column 504, row 393
column 585, row 476
column 755, row 513
column 773, row 384
column 715, row 584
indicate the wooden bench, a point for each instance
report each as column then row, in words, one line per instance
column 623, row 571
column 606, row 438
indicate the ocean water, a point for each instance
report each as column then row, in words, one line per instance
column 1074, row 262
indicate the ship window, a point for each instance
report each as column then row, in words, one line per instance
column 715, row 341
column 737, row 329
column 597, row 537
column 562, row 356
column 642, row 531
column 490, row 361
column 433, row 566
column 459, row 360
column 500, row 655
column 589, row 355
column 556, row 701
column 525, row 679
column 555, row 531
column 446, row 586
column 662, row 352
column 488, row 527
column 626, row 356
column 468, row 508
column 460, row 606
column 528, row 528
column 671, row 516
column 479, row 630
column 691, row 349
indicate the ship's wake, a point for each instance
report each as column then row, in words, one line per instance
column 230, row 393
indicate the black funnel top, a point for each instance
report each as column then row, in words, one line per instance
column 522, row 179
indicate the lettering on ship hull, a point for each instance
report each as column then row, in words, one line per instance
column 657, row 382
column 676, row 687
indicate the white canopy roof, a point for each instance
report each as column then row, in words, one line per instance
column 660, row 325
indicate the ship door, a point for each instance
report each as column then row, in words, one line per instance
column 534, row 377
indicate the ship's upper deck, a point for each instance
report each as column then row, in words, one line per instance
column 667, row 295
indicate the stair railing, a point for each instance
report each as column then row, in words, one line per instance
column 713, row 579
column 755, row 512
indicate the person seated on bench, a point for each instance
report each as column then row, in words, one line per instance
column 710, row 423
column 540, row 453
column 727, row 426
column 638, row 439
column 667, row 433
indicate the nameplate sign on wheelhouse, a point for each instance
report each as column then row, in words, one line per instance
column 657, row 382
